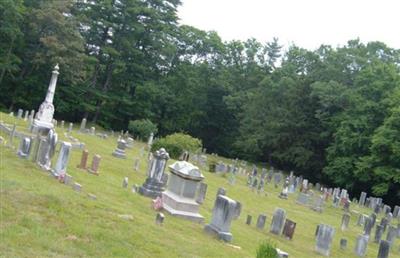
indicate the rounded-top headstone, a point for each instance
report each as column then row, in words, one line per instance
column 186, row 170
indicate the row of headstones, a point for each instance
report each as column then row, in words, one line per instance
column 377, row 205
column 324, row 237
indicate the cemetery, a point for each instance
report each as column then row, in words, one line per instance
column 59, row 204
column 127, row 133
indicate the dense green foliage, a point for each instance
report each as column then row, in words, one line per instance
column 142, row 128
column 266, row 250
column 330, row 114
column 177, row 143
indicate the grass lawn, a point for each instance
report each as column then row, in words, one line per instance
column 41, row 217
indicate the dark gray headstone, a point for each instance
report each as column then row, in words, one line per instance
column 278, row 221
column 248, row 219
column 378, row 233
column 343, row 244
column 324, row 238
column 384, row 248
column 261, row 221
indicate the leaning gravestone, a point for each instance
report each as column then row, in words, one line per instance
column 278, row 221
column 325, row 235
column 288, row 229
column 224, row 211
column 154, row 184
column 361, row 245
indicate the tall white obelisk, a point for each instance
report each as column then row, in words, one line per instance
column 44, row 119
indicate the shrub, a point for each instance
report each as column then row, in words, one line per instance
column 177, row 143
column 142, row 128
column 266, row 250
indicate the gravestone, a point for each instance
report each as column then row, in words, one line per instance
column 44, row 117
column 77, row 187
column 92, row 130
column 68, row 179
column 83, row 126
column 119, row 152
column 261, row 221
column 391, row 234
column 201, row 193
column 154, row 184
column 324, row 238
column 261, row 185
column 150, row 140
column 288, row 229
column 84, row 158
column 20, row 113
column 361, row 245
column 384, row 223
column 361, row 219
column 136, row 165
column 278, row 220
column 285, row 190
column 60, row 168
column 129, row 143
column 224, row 211
column 248, row 220
column 303, row 199
column 396, row 211
column 179, row 199
column 384, row 248
column 378, row 233
column 94, row 168
column 368, row 225
column 26, row 115
column 345, row 221
column 70, row 127
column 24, row 148
column 318, row 204
column 343, row 244
column 62, row 124
column 47, row 149
column 221, row 191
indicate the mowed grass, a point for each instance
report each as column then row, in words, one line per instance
column 41, row 217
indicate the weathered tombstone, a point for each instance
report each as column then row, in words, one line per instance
column 285, row 190
column 373, row 219
column 303, row 199
column 26, row 115
column 24, row 148
column 150, row 140
column 384, row 223
column 20, row 113
column 83, row 126
column 248, row 220
column 368, row 225
column 201, row 193
column 160, row 218
column 261, row 185
column 346, row 205
column 221, row 191
column 378, row 233
column 325, row 235
column 261, row 221
column 345, row 221
column 343, row 244
column 84, row 158
column 278, row 221
column 153, row 186
column 92, row 130
column 68, row 179
column 60, row 168
column 70, row 127
column 12, row 134
column 288, row 229
column 318, row 204
column 396, row 211
column 47, row 150
column 384, row 248
column 92, row 196
column 179, row 199
column 77, row 187
column 94, row 168
column 361, row 245
column 361, row 219
column 391, row 234
column 224, row 211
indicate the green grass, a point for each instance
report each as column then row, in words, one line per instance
column 43, row 218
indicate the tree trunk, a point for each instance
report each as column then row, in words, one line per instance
column 106, row 85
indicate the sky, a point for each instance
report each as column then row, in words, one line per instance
column 306, row 23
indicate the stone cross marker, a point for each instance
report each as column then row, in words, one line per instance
column 224, row 211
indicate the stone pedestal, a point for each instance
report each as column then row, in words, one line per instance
column 155, row 182
column 180, row 197
column 120, row 150
column 225, row 210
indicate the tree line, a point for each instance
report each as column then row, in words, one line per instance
column 330, row 114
